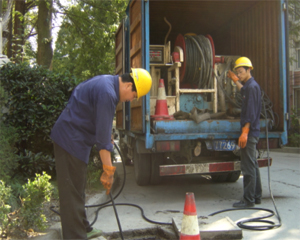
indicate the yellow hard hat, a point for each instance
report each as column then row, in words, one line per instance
column 243, row 62
column 142, row 80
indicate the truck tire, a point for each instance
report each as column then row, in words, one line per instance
column 156, row 160
column 142, row 168
column 219, row 177
column 233, row 176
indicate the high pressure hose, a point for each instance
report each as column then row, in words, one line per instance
column 270, row 224
column 199, row 61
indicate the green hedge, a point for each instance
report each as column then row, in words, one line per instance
column 35, row 98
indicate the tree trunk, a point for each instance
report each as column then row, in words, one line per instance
column 9, row 37
column 18, row 30
column 44, row 22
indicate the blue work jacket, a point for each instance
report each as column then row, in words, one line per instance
column 87, row 119
column 251, row 106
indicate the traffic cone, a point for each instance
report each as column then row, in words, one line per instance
column 161, row 109
column 189, row 226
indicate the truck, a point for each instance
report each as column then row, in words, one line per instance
column 188, row 48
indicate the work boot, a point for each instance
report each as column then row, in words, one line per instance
column 94, row 233
column 243, row 204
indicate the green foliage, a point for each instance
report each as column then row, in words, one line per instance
column 93, row 176
column 29, row 213
column 294, row 132
column 8, row 157
column 35, row 194
column 5, row 208
column 85, row 43
column 8, row 137
column 294, row 13
column 35, row 99
column 32, row 163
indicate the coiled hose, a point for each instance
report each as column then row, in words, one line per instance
column 199, row 61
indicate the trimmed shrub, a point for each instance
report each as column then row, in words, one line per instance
column 35, row 98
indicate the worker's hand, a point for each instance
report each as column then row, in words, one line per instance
column 107, row 177
column 244, row 137
column 231, row 75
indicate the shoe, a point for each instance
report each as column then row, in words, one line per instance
column 94, row 233
column 258, row 201
column 242, row 204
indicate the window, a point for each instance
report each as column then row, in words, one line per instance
column 297, row 45
column 297, row 100
column 298, row 58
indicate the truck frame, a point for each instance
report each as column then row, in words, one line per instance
column 155, row 36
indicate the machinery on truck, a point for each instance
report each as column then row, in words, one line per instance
column 189, row 46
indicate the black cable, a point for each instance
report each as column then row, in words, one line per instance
column 199, row 61
column 272, row 225
column 117, row 217
column 104, row 205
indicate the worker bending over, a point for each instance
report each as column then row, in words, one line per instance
column 87, row 121
column 250, row 128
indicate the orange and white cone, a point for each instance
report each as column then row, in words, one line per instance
column 189, row 226
column 161, row 109
column 161, row 102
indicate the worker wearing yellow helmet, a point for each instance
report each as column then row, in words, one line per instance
column 85, row 122
column 250, row 129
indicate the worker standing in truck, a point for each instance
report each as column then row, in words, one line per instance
column 87, row 121
column 250, row 129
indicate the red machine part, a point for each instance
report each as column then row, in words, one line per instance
column 180, row 42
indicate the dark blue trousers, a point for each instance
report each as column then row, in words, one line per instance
column 250, row 170
column 71, row 180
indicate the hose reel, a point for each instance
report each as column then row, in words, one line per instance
column 199, row 60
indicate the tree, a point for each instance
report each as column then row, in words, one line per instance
column 294, row 12
column 85, row 43
column 30, row 18
column 44, row 25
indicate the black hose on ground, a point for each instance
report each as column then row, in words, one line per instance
column 117, row 217
column 104, row 205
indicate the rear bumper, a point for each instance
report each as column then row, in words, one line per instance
column 206, row 168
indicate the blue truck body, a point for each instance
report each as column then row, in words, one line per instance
column 238, row 28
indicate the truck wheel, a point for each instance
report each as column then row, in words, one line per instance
column 219, row 177
column 142, row 168
column 233, row 176
column 156, row 160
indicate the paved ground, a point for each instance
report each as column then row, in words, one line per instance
column 166, row 201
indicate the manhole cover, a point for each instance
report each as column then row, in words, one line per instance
column 158, row 233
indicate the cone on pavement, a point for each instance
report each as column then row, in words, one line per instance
column 189, row 226
column 161, row 109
